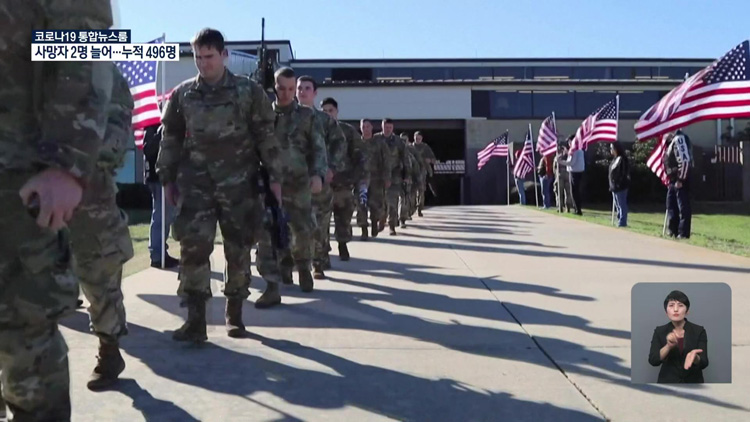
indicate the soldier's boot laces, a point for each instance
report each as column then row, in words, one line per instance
column 365, row 234
column 318, row 273
column 343, row 252
column 233, row 317
column 270, row 297
column 194, row 329
column 108, row 367
column 306, row 280
column 375, row 229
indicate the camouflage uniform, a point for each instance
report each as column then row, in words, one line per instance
column 409, row 193
column 303, row 149
column 323, row 201
column 214, row 140
column 344, row 185
column 57, row 120
column 100, row 238
column 379, row 170
column 562, row 181
column 426, row 154
column 400, row 169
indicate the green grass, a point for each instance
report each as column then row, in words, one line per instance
column 721, row 226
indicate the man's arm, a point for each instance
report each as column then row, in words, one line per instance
column 319, row 160
column 335, row 142
column 261, row 124
column 73, row 112
column 173, row 137
column 703, row 345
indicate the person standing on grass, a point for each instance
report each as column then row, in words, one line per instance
column 619, row 182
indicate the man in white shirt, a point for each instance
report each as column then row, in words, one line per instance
column 576, row 165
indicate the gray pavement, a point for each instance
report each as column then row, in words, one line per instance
column 469, row 314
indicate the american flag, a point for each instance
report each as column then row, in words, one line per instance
column 656, row 160
column 719, row 91
column 141, row 77
column 526, row 161
column 546, row 144
column 600, row 126
column 497, row 148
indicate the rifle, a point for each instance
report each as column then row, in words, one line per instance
column 264, row 70
column 275, row 220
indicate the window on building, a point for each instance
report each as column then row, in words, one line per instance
column 510, row 105
column 480, row 103
column 592, row 72
column 543, row 72
column 351, row 74
column 561, row 103
column 473, row 73
column 634, row 104
column 393, row 73
column 589, row 102
column 510, row 72
column 432, row 73
column 674, row 72
column 320, row 74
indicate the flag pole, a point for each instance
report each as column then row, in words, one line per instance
column 617, row 129
column 533, row 160
column 163, row 199
column 507, row 168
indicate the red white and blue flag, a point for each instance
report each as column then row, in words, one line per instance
column 546, row 144
column 655, row 161
column 497, row 148
column 600, row 126
column 525, row 162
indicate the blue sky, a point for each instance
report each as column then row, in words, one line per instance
column 457, row 29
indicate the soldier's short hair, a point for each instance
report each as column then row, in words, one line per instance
column 308, row 78
column 365, row 120
column 387, row 120
column 331, row 101
column 208, row 37
column 284, row 72
column 417, row 133
column 404, row 135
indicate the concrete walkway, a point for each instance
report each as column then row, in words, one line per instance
column 470, row 314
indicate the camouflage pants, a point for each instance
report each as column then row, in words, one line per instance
column 343, row 210
column 101, row 244
column 376, row 204
column 297, row 202
column 407, row 201
column 202, row 203
column 322, row 209
column 37, row 288
column 392, row 196
column 421, row 189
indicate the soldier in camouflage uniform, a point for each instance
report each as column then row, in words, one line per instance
column 400, row 171
column 408, row 192
column 345, row 183
column 218, row 129
column 428, row 160
column 101, row 240
column 304, row 163
column 307, row 89
column 378, row 160
column 49, row 142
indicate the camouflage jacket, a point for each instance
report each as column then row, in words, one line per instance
column 378, row 159
column 426, row 154
column 335, row 141
column 415, row 161
column 222, row 131
column 356, row 171
column 300, row 137
column 400, row 165
column 119, row 134
column 52, row 114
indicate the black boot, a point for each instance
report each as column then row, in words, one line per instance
column 403, row 224
column 109, row 366
column 305, row 277
column 286, row 277
column 233, row 317
column 393, row 229
column 343, row 252
column 318, row 273
column 270, row 297
column 375, row 230
column 194, row 329
column 365, row 234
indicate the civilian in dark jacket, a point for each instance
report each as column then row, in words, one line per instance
column 151, row 142
column 680, row 347
column 677, row 162
column 619, row 182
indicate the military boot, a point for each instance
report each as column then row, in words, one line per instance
column 286, row 276
column 233, row 317
column 327, row 262
column 270, row 297
column 365, row 234
column 194, row 329
column 393, row 229
column 403, row 223
column 305, row 277
column 343, row 252
column 419, row 213
column 318, row 273
column 109, row 366
column 375, row 229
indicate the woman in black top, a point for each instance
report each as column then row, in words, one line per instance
column 680, row 347
column 619, row 182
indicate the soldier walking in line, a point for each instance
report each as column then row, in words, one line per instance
column 428, row 160
column 400, row 168
column 379, row 169
column 408, row 192
column 207, row 161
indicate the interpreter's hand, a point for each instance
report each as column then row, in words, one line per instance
column 276, row 189
column 171, row 193
column 692, row 358
column 316, row 184
column 58, row 193
column 329, row 176
column 672, row 339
